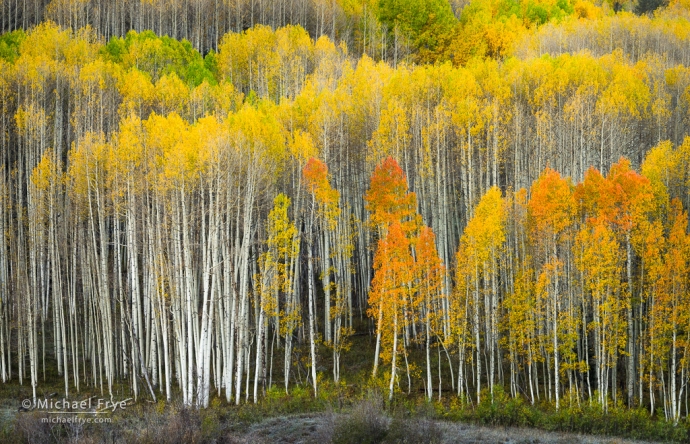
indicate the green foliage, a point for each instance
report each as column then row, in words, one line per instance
column 211, row 64
column 115, row 49
column 565, row 6
column 159, row 56
column 508, row 8
column 503, row 410
column 583, row 418
column 300, row 399
column 365, row 417
column 536, row 13
column 425, row 23
column 619, row 421
column 9, row 45
column 334, row 393
column 197, row 72
column 210, row 426
column 531, row 12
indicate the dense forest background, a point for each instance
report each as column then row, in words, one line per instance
column 495, row 191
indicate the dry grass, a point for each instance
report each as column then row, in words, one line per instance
column 465, row 433
column 366, row 422
column 315, row 428
column 289, row 429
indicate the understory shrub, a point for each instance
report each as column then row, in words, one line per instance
column 366, row 424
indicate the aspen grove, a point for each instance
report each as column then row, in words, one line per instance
column 184, row 227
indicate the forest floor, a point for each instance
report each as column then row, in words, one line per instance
column 344, row 413
column 282, row 421
column 310, row 428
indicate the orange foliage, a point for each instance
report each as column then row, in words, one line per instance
column 388, row 200
column 551, row 205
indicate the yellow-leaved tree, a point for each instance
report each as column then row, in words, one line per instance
column 477, row 286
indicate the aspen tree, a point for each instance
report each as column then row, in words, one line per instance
column 601, row 267
column 622, row 201
column 670, row 315
column 633, row 202
column 334, row 228
column 477, row 260
column 551, row 208
column 429, row 274
column 325, row 202
column 391, row 287
column 277, row 280
column 388, row 202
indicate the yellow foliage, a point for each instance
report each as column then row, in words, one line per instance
column 270, row 63
column 88, row 168
column 45, row 173
column 302, row 146
column 49, row 41
column 137, row 93
column 485, row 232
column 660, row 167
column 256, row 130
column 172, row 94
column 585, row 9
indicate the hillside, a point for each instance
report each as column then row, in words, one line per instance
column 474, row 206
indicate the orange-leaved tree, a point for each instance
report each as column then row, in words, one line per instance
column 390, row 290
column 390, row 205
column 551, row 211
column 388, row 199
column 623, row 202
